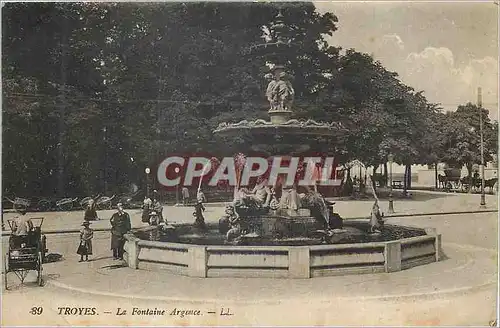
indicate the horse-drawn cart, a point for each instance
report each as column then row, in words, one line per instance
column 26, row 253
column 450, row 180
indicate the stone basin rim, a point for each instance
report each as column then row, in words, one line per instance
column 283, row 261
column 429, row 233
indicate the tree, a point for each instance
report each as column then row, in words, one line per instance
column 156, row 78
column 128, row 81
column 461, row 137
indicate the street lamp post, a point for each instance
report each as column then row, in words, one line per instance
column 176, row 170
column 390, row 158
column 479, row 104
column 104, row 130
column 147, row 170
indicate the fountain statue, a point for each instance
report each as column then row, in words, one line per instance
column 290, row 199
column 260, row 195
column 280, row 93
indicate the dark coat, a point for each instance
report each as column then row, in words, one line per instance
column 90, row 213
column 120, row 225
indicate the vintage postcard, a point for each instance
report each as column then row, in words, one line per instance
column 256, row 163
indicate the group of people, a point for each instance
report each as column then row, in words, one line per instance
column 150, row 205
column 120, row 225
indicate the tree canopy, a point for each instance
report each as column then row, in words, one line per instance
column 95, row 92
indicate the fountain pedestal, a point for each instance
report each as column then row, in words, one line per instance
column 279, row 227
column 280, row 116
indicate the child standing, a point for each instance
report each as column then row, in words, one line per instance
column 85, row 247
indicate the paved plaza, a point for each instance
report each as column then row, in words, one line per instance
column 460, row 290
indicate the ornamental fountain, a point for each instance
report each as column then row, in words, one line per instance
column 296, row 235
column 281, row 136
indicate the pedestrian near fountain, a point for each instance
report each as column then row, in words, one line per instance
column 90, row 211
column 85, row 247
column 185, row 195
column 120, row 225
column 146, row 207
column 157, row 207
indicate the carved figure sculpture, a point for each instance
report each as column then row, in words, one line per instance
column 273, row 204
column 376, row 219
column 230, row 224
column 273, row 102
column 282, row 93
column 290, row 199
column 260, row 195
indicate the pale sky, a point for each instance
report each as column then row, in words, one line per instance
column 447, row 50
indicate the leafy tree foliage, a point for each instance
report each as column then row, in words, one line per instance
column 461, row 138
column 95, row 92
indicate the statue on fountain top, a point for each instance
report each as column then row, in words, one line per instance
column 280, row 93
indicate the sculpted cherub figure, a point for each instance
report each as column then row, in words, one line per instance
column 283, row 92
column 271, row 97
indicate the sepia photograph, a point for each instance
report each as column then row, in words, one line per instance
column 265, row 163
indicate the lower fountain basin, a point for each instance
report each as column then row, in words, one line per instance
column 353, row 251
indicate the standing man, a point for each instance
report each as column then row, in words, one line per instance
column 156, row 205
column 146, row 208
column 91, row 211
column 120, row 225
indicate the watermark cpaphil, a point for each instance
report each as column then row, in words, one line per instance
column 197, row 170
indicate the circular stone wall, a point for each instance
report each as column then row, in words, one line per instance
column 283, row 261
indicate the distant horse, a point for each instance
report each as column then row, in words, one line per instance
column 442, row 181
column 470, row 183
column 490, row 183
